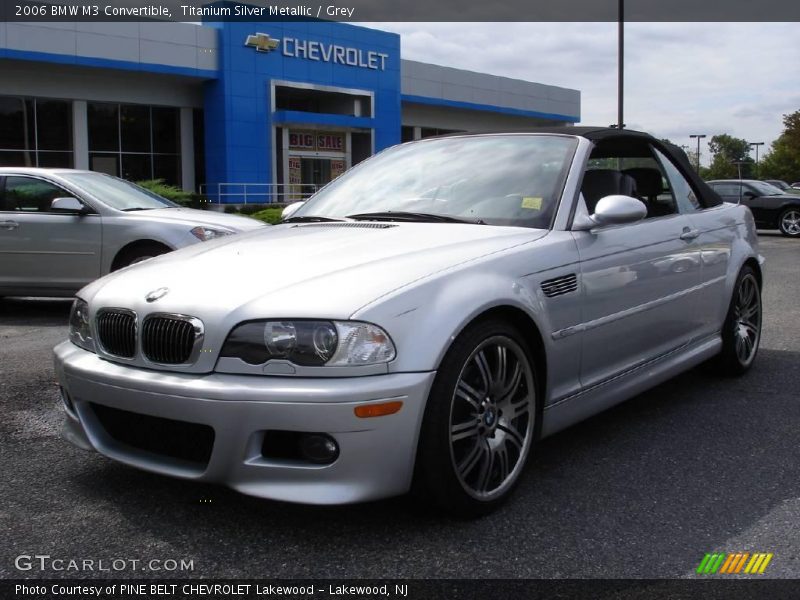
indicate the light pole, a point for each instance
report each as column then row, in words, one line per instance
column 756, row 144
column 620, row 60
column 739, row 164
column 699, row 136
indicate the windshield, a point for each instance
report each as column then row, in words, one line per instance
column 117, row 193
column 496, row 180
column 765, row 189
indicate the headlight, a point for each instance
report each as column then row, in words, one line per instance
column 80, row 332
column 310, row 343
column 209, row 233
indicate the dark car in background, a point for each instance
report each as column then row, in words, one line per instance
column 772, row 207
column 778, row 183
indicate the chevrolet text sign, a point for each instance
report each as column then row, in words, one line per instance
column 320, row 51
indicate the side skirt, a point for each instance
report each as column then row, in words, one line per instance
column 587, row 403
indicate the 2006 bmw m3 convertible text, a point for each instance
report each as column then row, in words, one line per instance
column 420, row 322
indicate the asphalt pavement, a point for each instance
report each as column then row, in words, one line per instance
column 699, row 464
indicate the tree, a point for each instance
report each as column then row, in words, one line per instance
column 783, row 159
column 725, row 151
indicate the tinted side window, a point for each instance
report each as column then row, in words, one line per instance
column 27, row 194
column 683, row 193
column 727, row 189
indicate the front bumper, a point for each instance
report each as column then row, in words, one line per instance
column 376, row 455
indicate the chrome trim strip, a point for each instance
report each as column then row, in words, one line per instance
column 594, row 324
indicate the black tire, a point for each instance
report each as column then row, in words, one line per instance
column 137, row 253
column 789, row 222
column 472, row 390
column 741, row 332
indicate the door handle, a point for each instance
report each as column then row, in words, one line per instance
column 689, row 234
column 8, row 225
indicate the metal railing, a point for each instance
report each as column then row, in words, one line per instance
column 257, row 193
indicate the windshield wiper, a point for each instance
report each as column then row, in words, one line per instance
column 137, row 208
column 420, row 217
column 309, row 219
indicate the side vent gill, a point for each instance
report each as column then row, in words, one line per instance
column 560, row 285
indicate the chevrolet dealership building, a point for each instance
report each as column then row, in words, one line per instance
column 245, row 112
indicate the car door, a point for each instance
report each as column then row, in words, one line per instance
column 735, row 192
column 639, row 284
column 713, row 230
column 758, row 205
column 40, row 250
column 765, row 209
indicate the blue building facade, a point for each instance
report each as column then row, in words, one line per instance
column 353, row 73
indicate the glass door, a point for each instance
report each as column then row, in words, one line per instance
column 316, row 171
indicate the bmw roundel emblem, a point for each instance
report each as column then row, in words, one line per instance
column 156, row 294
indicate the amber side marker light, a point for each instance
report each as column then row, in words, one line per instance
column 378, row 410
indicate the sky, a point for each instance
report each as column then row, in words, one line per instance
column 680, row 78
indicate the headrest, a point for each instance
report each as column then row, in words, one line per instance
column 598, row 183
column 648, row 180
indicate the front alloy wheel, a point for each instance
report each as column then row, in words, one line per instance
column 491, row 418
column 480, row 421
column 789, row 222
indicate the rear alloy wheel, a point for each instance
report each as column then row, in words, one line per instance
column 480, row 422
column 789, row 222
column 741, row 333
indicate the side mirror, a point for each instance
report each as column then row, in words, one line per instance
column 618, row 210
column 68, row 205
column 290, row 210
column 748, row 194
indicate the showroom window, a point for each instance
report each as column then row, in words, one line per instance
column 426, row 132
column 135, row 141
column 35, row 132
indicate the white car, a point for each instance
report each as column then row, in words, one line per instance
column 62, row 228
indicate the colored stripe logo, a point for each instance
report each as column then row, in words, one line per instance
column 734, row 563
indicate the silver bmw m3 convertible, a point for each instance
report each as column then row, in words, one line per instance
column 420, row 322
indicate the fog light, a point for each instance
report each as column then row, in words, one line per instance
column 319, row 448
column 67, row 402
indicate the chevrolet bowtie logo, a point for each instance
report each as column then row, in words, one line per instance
column 261, row 42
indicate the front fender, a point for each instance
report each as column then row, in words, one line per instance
column 424, row 319
column 117, row 235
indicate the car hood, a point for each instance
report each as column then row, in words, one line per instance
column 301, row 270
column 194, row 217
